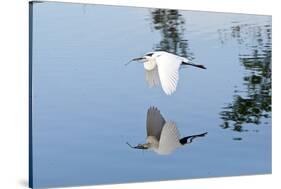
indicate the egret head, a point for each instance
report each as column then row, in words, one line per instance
column 146, row 58
column 140, row 146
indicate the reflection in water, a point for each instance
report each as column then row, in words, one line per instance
column 163, row 136
column 253, row 102
column 171, row 24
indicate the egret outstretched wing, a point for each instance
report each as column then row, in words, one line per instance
column 168, row 68
column 152, row 77
column 154, row 122
column 169, row 139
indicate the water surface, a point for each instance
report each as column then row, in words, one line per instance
column 87, row 104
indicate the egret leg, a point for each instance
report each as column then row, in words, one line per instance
column 189, row 139
column 195, row 65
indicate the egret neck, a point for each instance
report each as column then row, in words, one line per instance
column 152, row 142
column 149, row 64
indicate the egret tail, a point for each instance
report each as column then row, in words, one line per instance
column 189, row 139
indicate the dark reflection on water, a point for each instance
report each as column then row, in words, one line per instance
column 251, row 101
column 171, row 25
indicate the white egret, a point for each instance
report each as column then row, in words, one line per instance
column 163, row 67
column 163, row 136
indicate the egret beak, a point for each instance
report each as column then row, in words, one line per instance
column 139, row 146
column 135, row 59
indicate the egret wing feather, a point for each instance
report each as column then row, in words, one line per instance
column 169, row 139
column 154, row 122
column 168, row 69
column 152, row 77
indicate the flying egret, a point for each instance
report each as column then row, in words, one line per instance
column 163, row 136
column 163, row 67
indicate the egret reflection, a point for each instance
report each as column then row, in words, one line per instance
column 163, row 136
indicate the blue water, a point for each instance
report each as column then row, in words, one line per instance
column 87, row 104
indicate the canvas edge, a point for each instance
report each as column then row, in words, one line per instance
column 30, row 152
